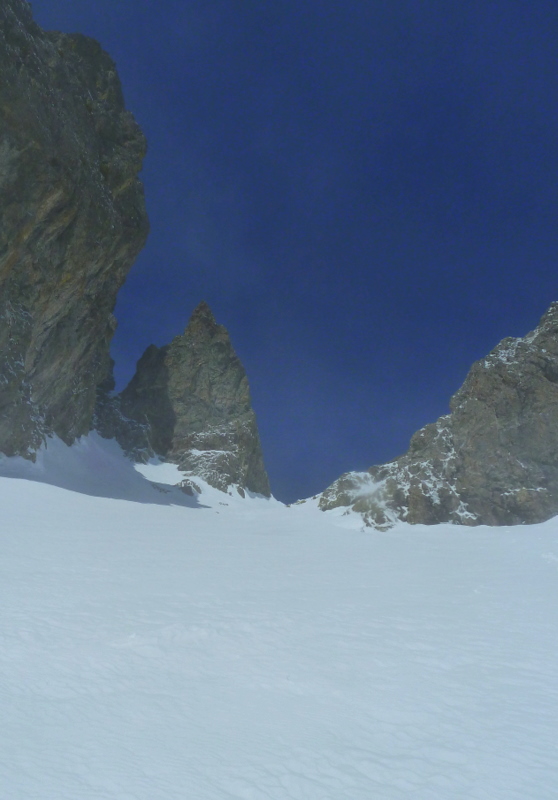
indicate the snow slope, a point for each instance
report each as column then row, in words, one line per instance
column 165, row 647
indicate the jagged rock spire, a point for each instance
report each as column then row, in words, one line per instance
column 202, row 315
column 193, row 397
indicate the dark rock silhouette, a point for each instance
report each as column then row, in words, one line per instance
column 493, row 460
column 72, row 223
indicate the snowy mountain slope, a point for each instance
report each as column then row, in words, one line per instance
column 236, row 649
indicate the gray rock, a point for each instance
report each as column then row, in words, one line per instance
column 112, row 423
column 193, row 401
column 493, row 460
column 72, row 222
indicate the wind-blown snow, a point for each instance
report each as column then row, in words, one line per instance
column 237, row 649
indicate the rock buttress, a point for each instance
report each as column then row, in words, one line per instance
column 72, row 220
column 194, row 398
column 492, row 461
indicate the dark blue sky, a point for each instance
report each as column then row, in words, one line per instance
column 366, row 194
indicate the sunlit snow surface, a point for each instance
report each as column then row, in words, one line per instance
column 220, row 649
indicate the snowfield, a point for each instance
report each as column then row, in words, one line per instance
column 156, row 646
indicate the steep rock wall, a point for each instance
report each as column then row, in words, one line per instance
column 72, row 220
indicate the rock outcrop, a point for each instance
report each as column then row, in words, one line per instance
column 111, row 423
column 189, row 402
column 72, row 222
column 493, row 460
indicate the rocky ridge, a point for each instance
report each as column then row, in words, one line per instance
column 189, row 402
column 73, row 220
column 492, row 461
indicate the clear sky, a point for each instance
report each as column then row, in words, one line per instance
column 366, row 194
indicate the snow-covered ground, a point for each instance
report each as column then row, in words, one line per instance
column 155, row 646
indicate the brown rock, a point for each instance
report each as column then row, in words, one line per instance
column 72, row 222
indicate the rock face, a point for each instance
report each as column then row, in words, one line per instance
column 72, row 222
column 191, row 400
column 111, row 423
column 493, row 460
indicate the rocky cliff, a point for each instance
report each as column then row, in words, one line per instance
column 493, row 460
column 189, row 402
column 72, row 222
